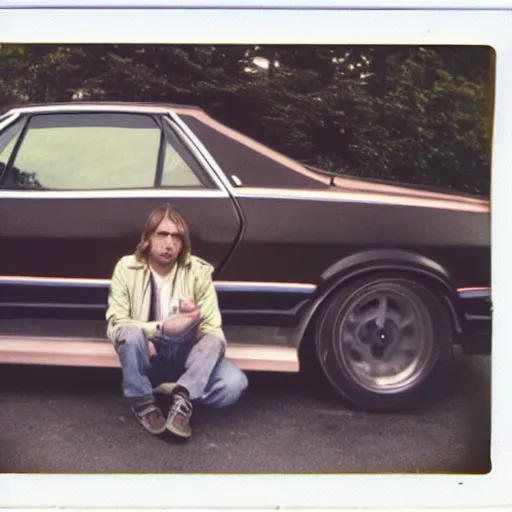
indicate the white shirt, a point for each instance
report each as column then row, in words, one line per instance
column 164, row 299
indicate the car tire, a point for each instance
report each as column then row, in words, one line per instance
column 381, row 340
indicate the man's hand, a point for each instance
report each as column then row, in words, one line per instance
column 187, row 306
column 177, row 324
column 152, row 349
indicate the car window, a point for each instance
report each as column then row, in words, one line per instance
column 180, row 168
column 8, row 140
column 88, row 151
column 175, row 171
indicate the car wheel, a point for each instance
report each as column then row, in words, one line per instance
column 380, row 341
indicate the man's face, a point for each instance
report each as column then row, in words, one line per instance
column 165, row 244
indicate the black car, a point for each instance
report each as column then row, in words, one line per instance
column 376, row 281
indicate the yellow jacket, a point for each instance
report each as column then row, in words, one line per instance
column 129, row 298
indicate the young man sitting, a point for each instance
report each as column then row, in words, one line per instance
column 164, row 321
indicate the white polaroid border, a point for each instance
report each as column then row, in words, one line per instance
column 314, row 22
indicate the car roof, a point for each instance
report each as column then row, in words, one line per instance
column 99, row 105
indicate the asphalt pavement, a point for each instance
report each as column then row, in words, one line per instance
column 73, row 420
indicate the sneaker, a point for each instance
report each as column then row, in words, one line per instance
column 178, row 418
column 150, row 417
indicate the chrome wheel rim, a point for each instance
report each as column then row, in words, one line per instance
column 385, row 342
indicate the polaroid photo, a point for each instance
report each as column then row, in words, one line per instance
column 320, row 190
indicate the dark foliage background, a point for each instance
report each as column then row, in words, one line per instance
column 417, row 115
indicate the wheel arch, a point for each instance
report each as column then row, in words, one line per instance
column 375, row 262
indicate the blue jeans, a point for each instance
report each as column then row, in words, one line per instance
column 198, row 366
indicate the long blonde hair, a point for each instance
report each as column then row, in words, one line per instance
column 153, row 221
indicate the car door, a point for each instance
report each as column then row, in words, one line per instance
column 76, row 187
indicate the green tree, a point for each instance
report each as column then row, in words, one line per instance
column 409, row 114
